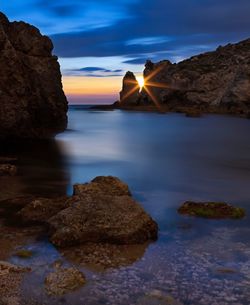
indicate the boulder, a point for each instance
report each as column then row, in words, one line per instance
column 211, row 210
column 64, row 280
column 32, row 101
column 102, row 218
column 104, row 213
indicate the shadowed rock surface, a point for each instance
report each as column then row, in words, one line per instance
column 8, row 170
column 32, row 101
column 130, row 90
column 211, row 210
column 41, row 209
column 216, row 81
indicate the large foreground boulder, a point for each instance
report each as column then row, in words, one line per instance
column 103, row 213
column 32, row 101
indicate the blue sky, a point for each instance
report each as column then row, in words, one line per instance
column 113, row 36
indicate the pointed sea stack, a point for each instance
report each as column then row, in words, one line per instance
column 130, row 90
column 32, row 101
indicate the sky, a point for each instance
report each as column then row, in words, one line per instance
column 97, row 41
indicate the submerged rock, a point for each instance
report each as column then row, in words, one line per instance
column 211, row 210
column 24, row 253
column 64, row 280
column 32, row 101
column 105, row 213
column 8, row 170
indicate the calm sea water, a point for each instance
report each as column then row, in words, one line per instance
column 165, row 160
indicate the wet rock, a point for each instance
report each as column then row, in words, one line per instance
column 211, row 210
column 104, row 256
column 130, row 89
column 6, row 268
column 32, row 101
column 103, row 185
column 24, row 253
column 8, row 170
column 41, row 209
column 10, row 283
column 104, row 213
column 64, row 280
column 102, row 218
column 157, row 297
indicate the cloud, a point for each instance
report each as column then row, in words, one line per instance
column 93, row 72
column 134, row 30
column 179, row 28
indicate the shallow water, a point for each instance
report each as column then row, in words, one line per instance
column 165, row 159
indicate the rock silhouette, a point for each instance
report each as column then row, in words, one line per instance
column 32, row 101
column 216, row 81
column 130, row 89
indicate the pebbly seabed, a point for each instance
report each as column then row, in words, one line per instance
column 166, row 160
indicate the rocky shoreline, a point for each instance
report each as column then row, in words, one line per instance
column 214, row 82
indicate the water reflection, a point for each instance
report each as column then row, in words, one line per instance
column 41, row 168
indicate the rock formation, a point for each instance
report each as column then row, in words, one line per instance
column 104, row 212
column 130, row 90
column 32, row 102
column 216, row 81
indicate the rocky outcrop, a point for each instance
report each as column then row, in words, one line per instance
column 130, row 90
column 211, row 210
column 32, row 102
column 216, row 81
column 104, row 213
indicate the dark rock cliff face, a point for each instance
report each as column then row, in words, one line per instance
column 216, row 81
column 32, row 101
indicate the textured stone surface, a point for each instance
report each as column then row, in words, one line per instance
column 216, row 81
column 32, row 102
column 64, row 280
column 41, row 209
column 109, row 185
column 105, row 212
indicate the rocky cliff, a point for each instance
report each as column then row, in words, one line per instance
column 32, row 101
column 216, row 81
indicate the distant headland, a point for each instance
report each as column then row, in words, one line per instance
column 213, row 82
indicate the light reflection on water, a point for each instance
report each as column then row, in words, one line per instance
column 165, row 159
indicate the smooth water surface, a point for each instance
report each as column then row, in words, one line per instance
column 165, row 160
